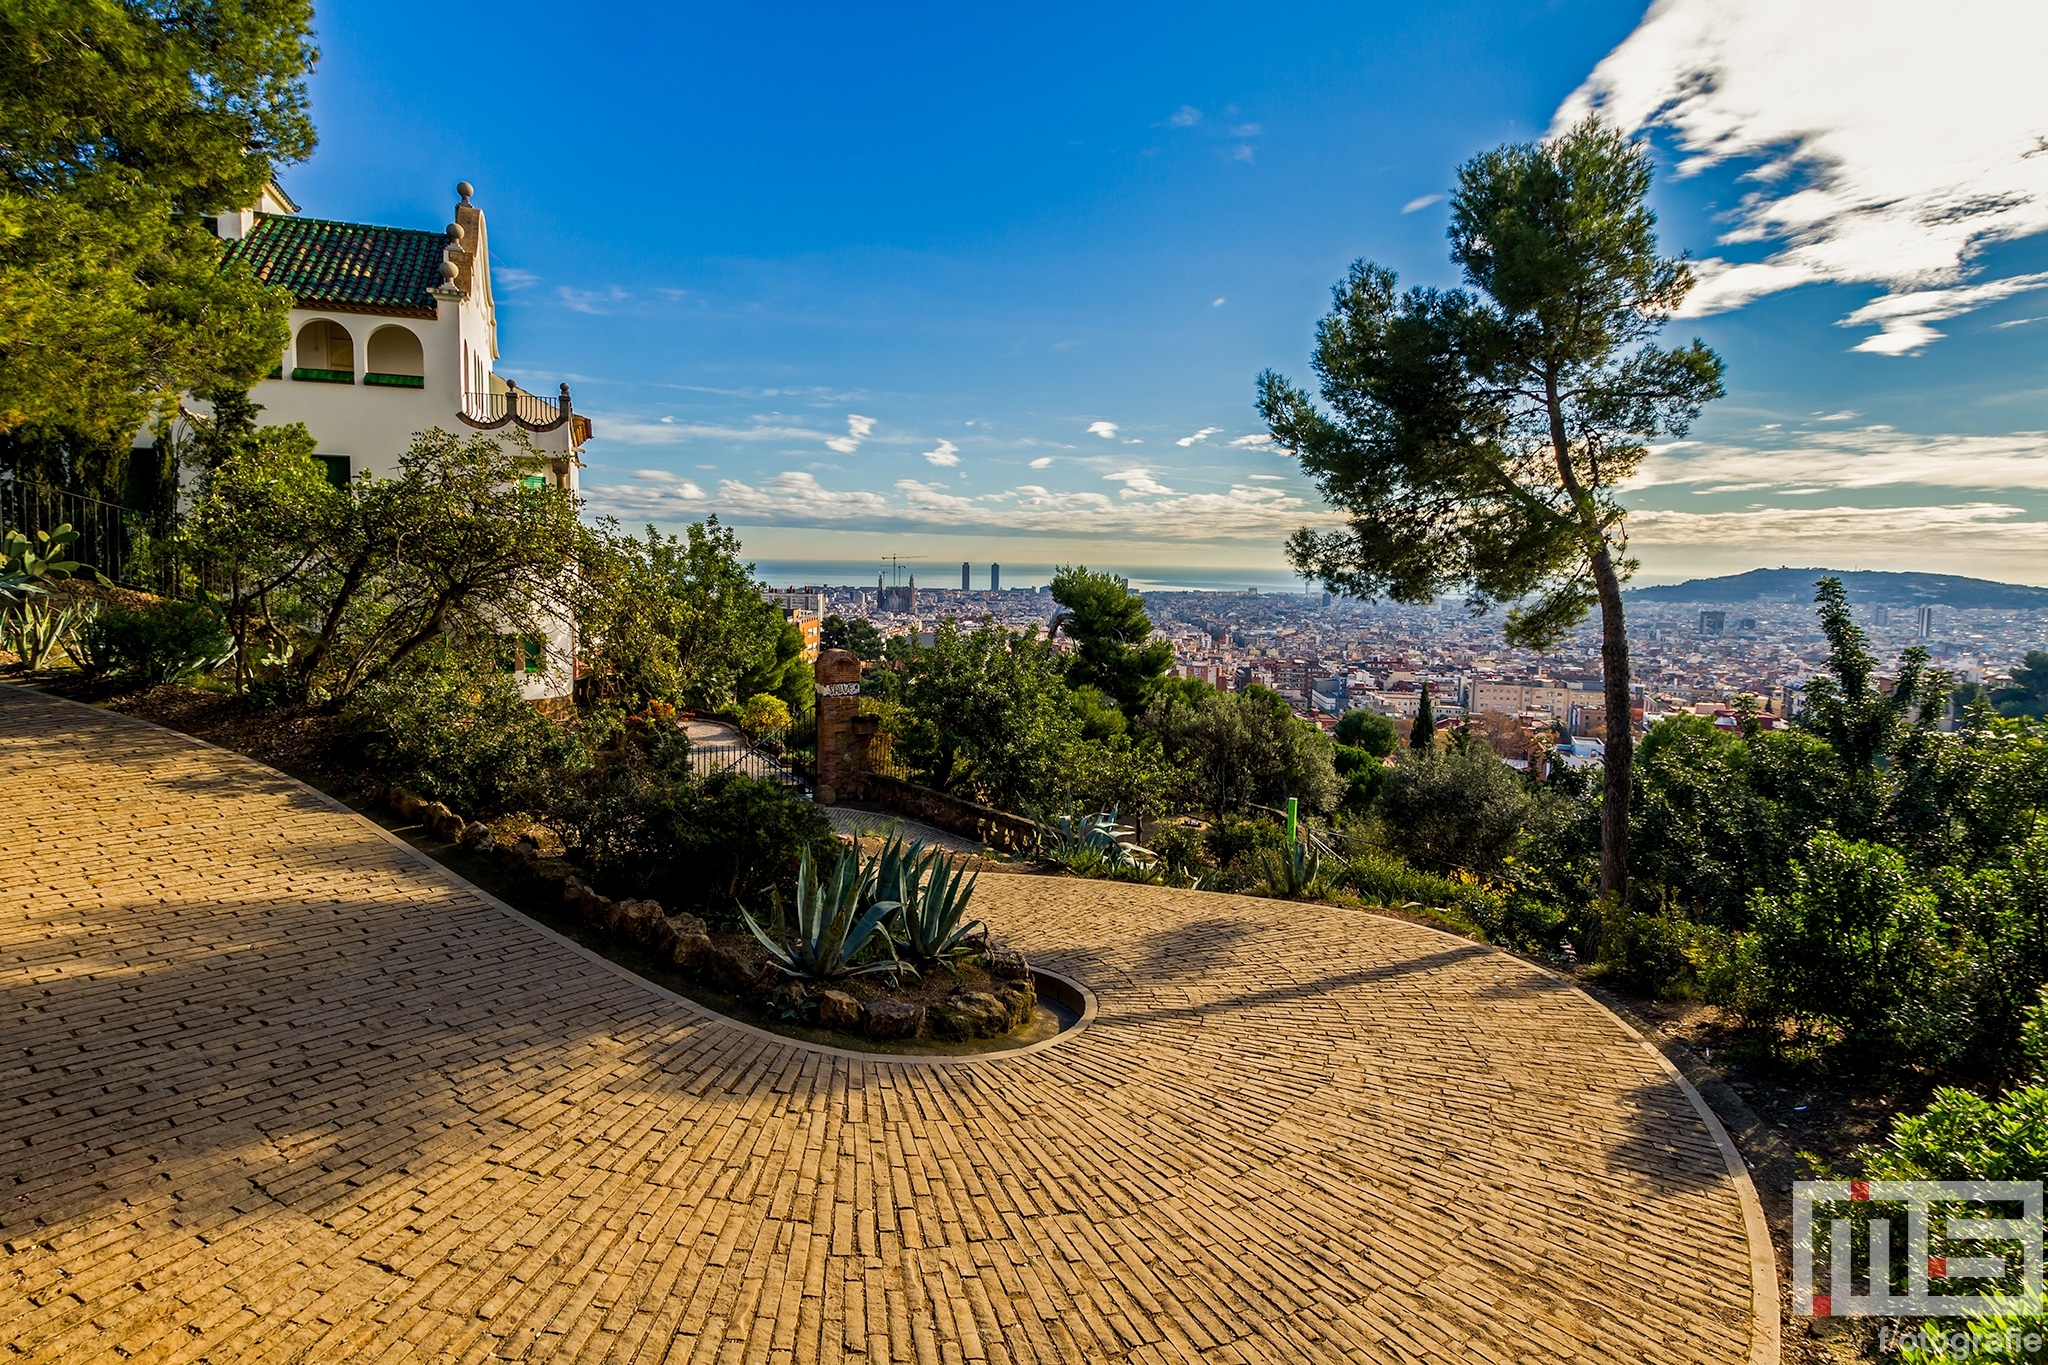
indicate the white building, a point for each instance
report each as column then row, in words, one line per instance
column 394, row 331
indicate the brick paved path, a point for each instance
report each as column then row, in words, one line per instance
column 270, row 1089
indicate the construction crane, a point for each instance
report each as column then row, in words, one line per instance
column 895, row 563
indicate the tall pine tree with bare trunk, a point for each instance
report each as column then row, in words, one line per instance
column 1476, row 438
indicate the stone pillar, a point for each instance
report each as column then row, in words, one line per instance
column 841, row 757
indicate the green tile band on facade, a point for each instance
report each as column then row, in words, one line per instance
column 395, row 381
column 300, row 372
column 345, row 266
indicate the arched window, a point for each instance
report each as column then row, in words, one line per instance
column 327, row 354
column 395, row 360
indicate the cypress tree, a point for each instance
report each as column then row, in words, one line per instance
column 1423, row 736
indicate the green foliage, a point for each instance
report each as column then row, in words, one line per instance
column 255, row 523
column 1368, row 730
column 858, row 638
column 1854, row 951
column 166, row 642
column 1363, row 774
column 831, row 927
column 1963, row 1136
column 457, row 731
column 29, row 563
column 1456, row 808
column 931, row 925
column 1241, row 749
column 34, row 630
column 2028, row 695
column 1114, row 651
column 763, row 713
column 1649, row 954
column 1095, row 845
column 640, row 821
column 1294, row 872
column 121, row 124
column 678, row 619
column 1384, row 879
column 1422, row 733
column 988, row 715
column 1233, row 843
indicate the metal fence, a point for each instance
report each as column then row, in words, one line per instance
column 882, row 757
column 788, row 755
column 107, row 532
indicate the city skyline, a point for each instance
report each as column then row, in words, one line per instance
column 829, row 286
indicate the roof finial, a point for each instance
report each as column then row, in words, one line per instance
column 465, row 189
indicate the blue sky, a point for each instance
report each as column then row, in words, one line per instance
column 997, row 286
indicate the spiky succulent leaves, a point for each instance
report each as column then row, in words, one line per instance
column 932, row 930
column 831, row 931
column 896, row 870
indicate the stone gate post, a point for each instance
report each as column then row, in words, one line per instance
column 841, row 758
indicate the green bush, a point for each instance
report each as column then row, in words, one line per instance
column 1856, row 948
column 1647, row 954
column 460, row 736
column 165, row 642
column 645, row 826
column 1383, row 879
column 1456, row 808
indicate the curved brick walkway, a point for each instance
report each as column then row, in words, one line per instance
column 272, row 1090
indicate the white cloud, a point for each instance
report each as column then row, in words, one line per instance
column 1204, row 434
column 1865, row 458
column 639, row 431
column 1820, row 528
column 1268, row 478
column 1146, row 510
column 597, row 301
column 857, row 429
column 1042, row 462
column 1905, row 318
column 1217, row 304
column 1897, row 143
column 1420, row 203
column 511, row 278
column 1187, row 116
column 945, row 456
column 1256, row 441
column 1106, row 430
column 1139, row 483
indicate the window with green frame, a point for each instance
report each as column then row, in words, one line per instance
column 536, row 654
column 337, row 469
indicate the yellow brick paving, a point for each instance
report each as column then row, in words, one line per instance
column 273, row 1090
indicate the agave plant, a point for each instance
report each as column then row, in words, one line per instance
column 1294, row 872
column 831, row 927
column 33, row 630
column 25, row 562
column 1096, row 842
column 934, row 902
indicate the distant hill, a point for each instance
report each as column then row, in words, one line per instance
column 1864, row 585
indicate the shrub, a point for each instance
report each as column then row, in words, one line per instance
column 1382, row 879
column 643, row 824
column 460, row 736
column 1648, row 954
column 1458, row 808
column 763, row 713
column 165, row 642
column 1856, row 947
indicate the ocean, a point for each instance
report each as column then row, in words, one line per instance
column 943, row 574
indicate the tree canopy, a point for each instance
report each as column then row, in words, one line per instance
column 1476, row 438
column 121, row 125
column 1113, row 649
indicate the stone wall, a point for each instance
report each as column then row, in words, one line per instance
column 997, row 829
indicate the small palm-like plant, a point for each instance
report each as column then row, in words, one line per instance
column 33, row 630
column 934, row 901
column 1294, row 872
column 831, row 928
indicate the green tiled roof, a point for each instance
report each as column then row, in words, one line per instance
column 348, row 267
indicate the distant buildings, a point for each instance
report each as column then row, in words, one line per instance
column 995, row 578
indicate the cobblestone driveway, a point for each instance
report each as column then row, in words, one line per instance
column 271, row 1089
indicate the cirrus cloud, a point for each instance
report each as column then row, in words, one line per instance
column 1893, row 145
